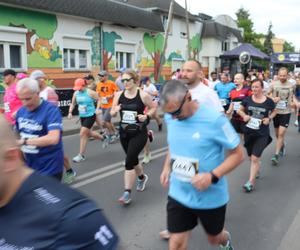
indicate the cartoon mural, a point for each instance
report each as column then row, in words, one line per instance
column 154, row 46
column 195, row 46
column 95, row 33
column 109, row 48
column 42, row 52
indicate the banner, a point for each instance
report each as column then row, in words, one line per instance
column 288, row 58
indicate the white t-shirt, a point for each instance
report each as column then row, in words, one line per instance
column 212, row 84
column 151, row 89
column 49, row 95
column 204, row 94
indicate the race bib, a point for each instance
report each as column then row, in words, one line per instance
column 281, row 105
column 184, row 168
column 6, row 107
column 254, row 123
column 104, row 100
column 236, row 106
column 29, row 149
column 129, row 116
column 223, row 102
column 82, row 109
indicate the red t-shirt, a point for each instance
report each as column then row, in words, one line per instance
column 236, row 97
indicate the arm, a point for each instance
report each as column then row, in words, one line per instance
column 73, row 103
column 115, row 106
column 147, row 100
column 164, row 176
column 230, row 109
column 242, row 113
column 52, row 138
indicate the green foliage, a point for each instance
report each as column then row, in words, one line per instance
column 109, row 41
column 153, row 43
column 268, row 40
column 288, row 47
column 196, row 43
column 50, row 83
column 2, row 86
column 43, row 24
column 244, row 21
column 174, row 55
column 95, row 45
column 35, row 60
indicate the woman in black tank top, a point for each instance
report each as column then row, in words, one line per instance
column 131, row 103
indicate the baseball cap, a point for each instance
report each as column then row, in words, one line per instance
column 103, row 73
column 122, row 70
column 79, row 83
column 37, row 74
column 89, row 77
column 9, row 72
column 21, row 76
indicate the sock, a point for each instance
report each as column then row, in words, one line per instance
column 128, row 190
column 70, row 170
column 141, row 177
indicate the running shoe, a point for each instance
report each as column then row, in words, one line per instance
column 141, row 184
column 282, row 151
column 78, row 158
column 296, row 123
column 147, row 158
column 125, row 199
column 105, row 141
column 165, row 234
column 228, row 244
column 150, row 135
column 248, row 187
column 275, row 160
column 69, row 177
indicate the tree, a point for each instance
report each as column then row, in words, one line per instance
column 108, row 47
column 244, row 21
column 288, row 47
column 268, row 45
column 196, row 45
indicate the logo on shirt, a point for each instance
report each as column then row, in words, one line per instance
column 196, row 136
column 43, row 195
column 6, row 246
column 104, row 235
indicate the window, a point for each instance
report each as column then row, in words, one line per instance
column 124, row 54
column 225, row 46
column 165, row 23
column 1, row 56
column 75, row 59
column 15, row 56
column 123, row 59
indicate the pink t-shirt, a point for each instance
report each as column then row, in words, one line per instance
column 11, row 103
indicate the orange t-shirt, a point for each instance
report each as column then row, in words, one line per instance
column 105, row 89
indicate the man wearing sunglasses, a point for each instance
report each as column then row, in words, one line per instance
column 195, row 173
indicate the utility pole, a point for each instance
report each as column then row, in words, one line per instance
column 167, row 31
column 187, row 29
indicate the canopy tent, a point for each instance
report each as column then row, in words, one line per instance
column 285, row 58
column 254, row 52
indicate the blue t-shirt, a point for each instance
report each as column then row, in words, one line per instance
column 223, row 90
column 198, row 143
column 37, row 123
column 47, row 215
column 86, row 104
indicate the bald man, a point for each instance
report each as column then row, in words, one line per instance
column 41, row 212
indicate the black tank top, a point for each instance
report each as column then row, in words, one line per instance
column 130, row 108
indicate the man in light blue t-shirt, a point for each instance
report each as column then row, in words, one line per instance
column 195, row 172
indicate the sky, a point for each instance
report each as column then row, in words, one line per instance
column 284, row 15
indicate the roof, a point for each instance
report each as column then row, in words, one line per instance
column 109, row 11
column 160, row 5
column 254, row 52
column 217, row 30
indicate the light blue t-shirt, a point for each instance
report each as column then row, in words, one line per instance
column 198, row 143
column 223, row 90
column 86, row 104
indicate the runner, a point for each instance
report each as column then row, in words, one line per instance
column 282, row 93
column 223, row 89
column 197, row 187
column 131, row 104
column 39, row 124
column 106, row 90
column 12, row 103
column 257, row 111
column 85, row 99
column 236, row 97
column 37, row 212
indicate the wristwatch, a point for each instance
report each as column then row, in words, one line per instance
column 214, row 178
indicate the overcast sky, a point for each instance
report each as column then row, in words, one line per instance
column 284, row 15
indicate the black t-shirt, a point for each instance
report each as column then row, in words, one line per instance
column 257, row 111
column 45, row 214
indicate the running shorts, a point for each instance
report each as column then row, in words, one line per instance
column 238, row 125
column 106, row 114
column 255, row 145
column 282, row 120
column 88, row 122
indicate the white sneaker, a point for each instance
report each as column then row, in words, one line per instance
column 78, row 158
column 147, row 159
column 296, row 123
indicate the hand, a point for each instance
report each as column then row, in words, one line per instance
column 266, row 121
column 246, row 118
column 276, row 99
column 164, row 177
column 98, row 111
column 70, row 116
column 142, row 118
column 201, row 181
column 116, row 109
column 20, row 142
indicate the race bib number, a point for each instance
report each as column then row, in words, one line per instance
column 184, row 168
column 223, row 102
column 236, row 106
column 281, row 105
column 254, row 123
column 104, row 100
column 129, row 116
column 6, row 107
column 82, row 109
column 29, row 149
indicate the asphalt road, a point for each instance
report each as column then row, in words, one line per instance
column 259, row 220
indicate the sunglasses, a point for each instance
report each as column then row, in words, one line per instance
column 126, row 80
column 178, row 111
column 101, row 75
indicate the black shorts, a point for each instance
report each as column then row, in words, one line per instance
column 88, row 122
column 181, row 219
column 282, row 120
column 255, row 145
column 238, row 125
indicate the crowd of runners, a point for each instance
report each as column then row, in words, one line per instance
column 214, row 118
